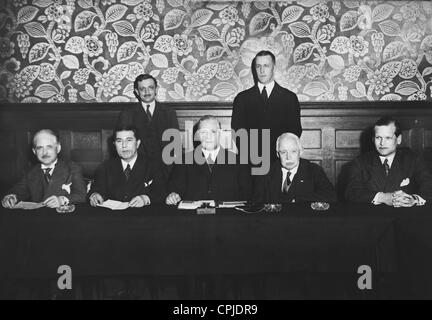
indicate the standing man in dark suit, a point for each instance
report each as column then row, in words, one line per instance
column 388, row 175
column 150, row 117
column 53, row 182
column 293, row 179
column 210, row 172
column 266, row 105
column 132, row 177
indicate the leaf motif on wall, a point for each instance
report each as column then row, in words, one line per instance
column 391, row 97
column 349, row 20
column 315, row 88
column 70, row 61
column 427, row 71
column 291, row 14
column 300, row 29
column 303, row 52
column 75, row 45
column 127, row 50
column 42, row 3
column 31, row 72
column 209, row 33
column 85, row 4
column 361, row 89
column 336, row 62
column 115, row 12
column 215, row 52
column 391, row 68
column 208, row 70
column 310, row 3
column 390, row 28
column 31, row 100
column 159, row 60
column 175, row 3
column 65, row 75
column 393, row 50
column 124, row 28
column 119, row 99
column 173, row 19
column 340, row 45
column 38, row 51
column 224, row 89
column 84, row 20
column 407, row 88
column 35, row 30
column 200, row 18
column 46, row 91
column 129, row 90
column 351, row 4
column 26, row 14
column 119, row 71
column 259, row 23
column 179, row 90
column 164, row 44
column 217, row 6
column 90, row 91
column 261, row 5
column 381, row 12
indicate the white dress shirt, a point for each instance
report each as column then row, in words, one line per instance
column 213, row 153
column 269, row 87
column 293, row 172
column 152, row 106
column 130, row 163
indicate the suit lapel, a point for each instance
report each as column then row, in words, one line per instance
column 139, row 170
column 394, row 177
column 378, row 175
column 58, row 178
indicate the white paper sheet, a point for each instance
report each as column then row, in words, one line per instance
column 193, row 205
column 28, row 205
column 114, row 205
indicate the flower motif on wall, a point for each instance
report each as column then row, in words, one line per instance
column 358, row 46
column 81, row 76
column 6, row 47
column 47, row 72
column 55, row 12
column 109, row 84
column 352, row 73
column 410, row 11
column 197, row 83
column 170, row 75
column 229, row 15
column 320, row 12
column 20, row 86
column 380, row 81
column 182, row 45
column 144, row 11
column 92, row 46
column 235, row 37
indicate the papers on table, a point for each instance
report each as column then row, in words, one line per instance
column 114, row 205
column 231, row 204
column 28, row 205
column 193, row 205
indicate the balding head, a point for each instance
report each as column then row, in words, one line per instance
column 289, row 150
column 46, row 146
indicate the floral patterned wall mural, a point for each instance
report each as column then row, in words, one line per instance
column 92, row 50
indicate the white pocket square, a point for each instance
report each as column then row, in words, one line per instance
column 146, row 184
column 405, row 182
column 67, row 187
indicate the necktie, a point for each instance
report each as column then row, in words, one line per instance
column 386, row 167
column 47, row 175
column 264, row 94
column 210, row 162
column 127, row 172
column 149, row 115
column 287, row 183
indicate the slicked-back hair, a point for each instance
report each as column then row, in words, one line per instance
column 49, row 131
column 388, row 120
column 142, row 77
column 126, row 128
column 262, row 53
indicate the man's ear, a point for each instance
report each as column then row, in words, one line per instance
column 138, row 143
column 58, row 148
column 136, row 93
column 34, row 151
column 399, row 139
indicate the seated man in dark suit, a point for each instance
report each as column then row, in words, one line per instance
column 292, row 179
column 210, row 172
column 387, row 175
column 131, row 177
column 53, row 182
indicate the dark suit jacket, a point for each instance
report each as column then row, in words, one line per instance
column 281, row 114
column 150, row 131
column 223, row 182
column 33, row 187
column 367, row 176
column 110, row 181
column 309, row 184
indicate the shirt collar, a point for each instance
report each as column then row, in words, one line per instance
column 212, row 153
column 293, row 171
column 51, row 166
column 269, row 87
column 152, row 106
column 389, row 158
column 130, row 163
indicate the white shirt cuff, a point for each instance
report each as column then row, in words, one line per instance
column 375, row 199
column 420, row 200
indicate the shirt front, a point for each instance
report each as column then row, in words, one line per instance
column 389, row 158
column 269, row 87
column 213, row 153
column 130, row 163
column 293, row 172
column 51, row 167
column 152, row 106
